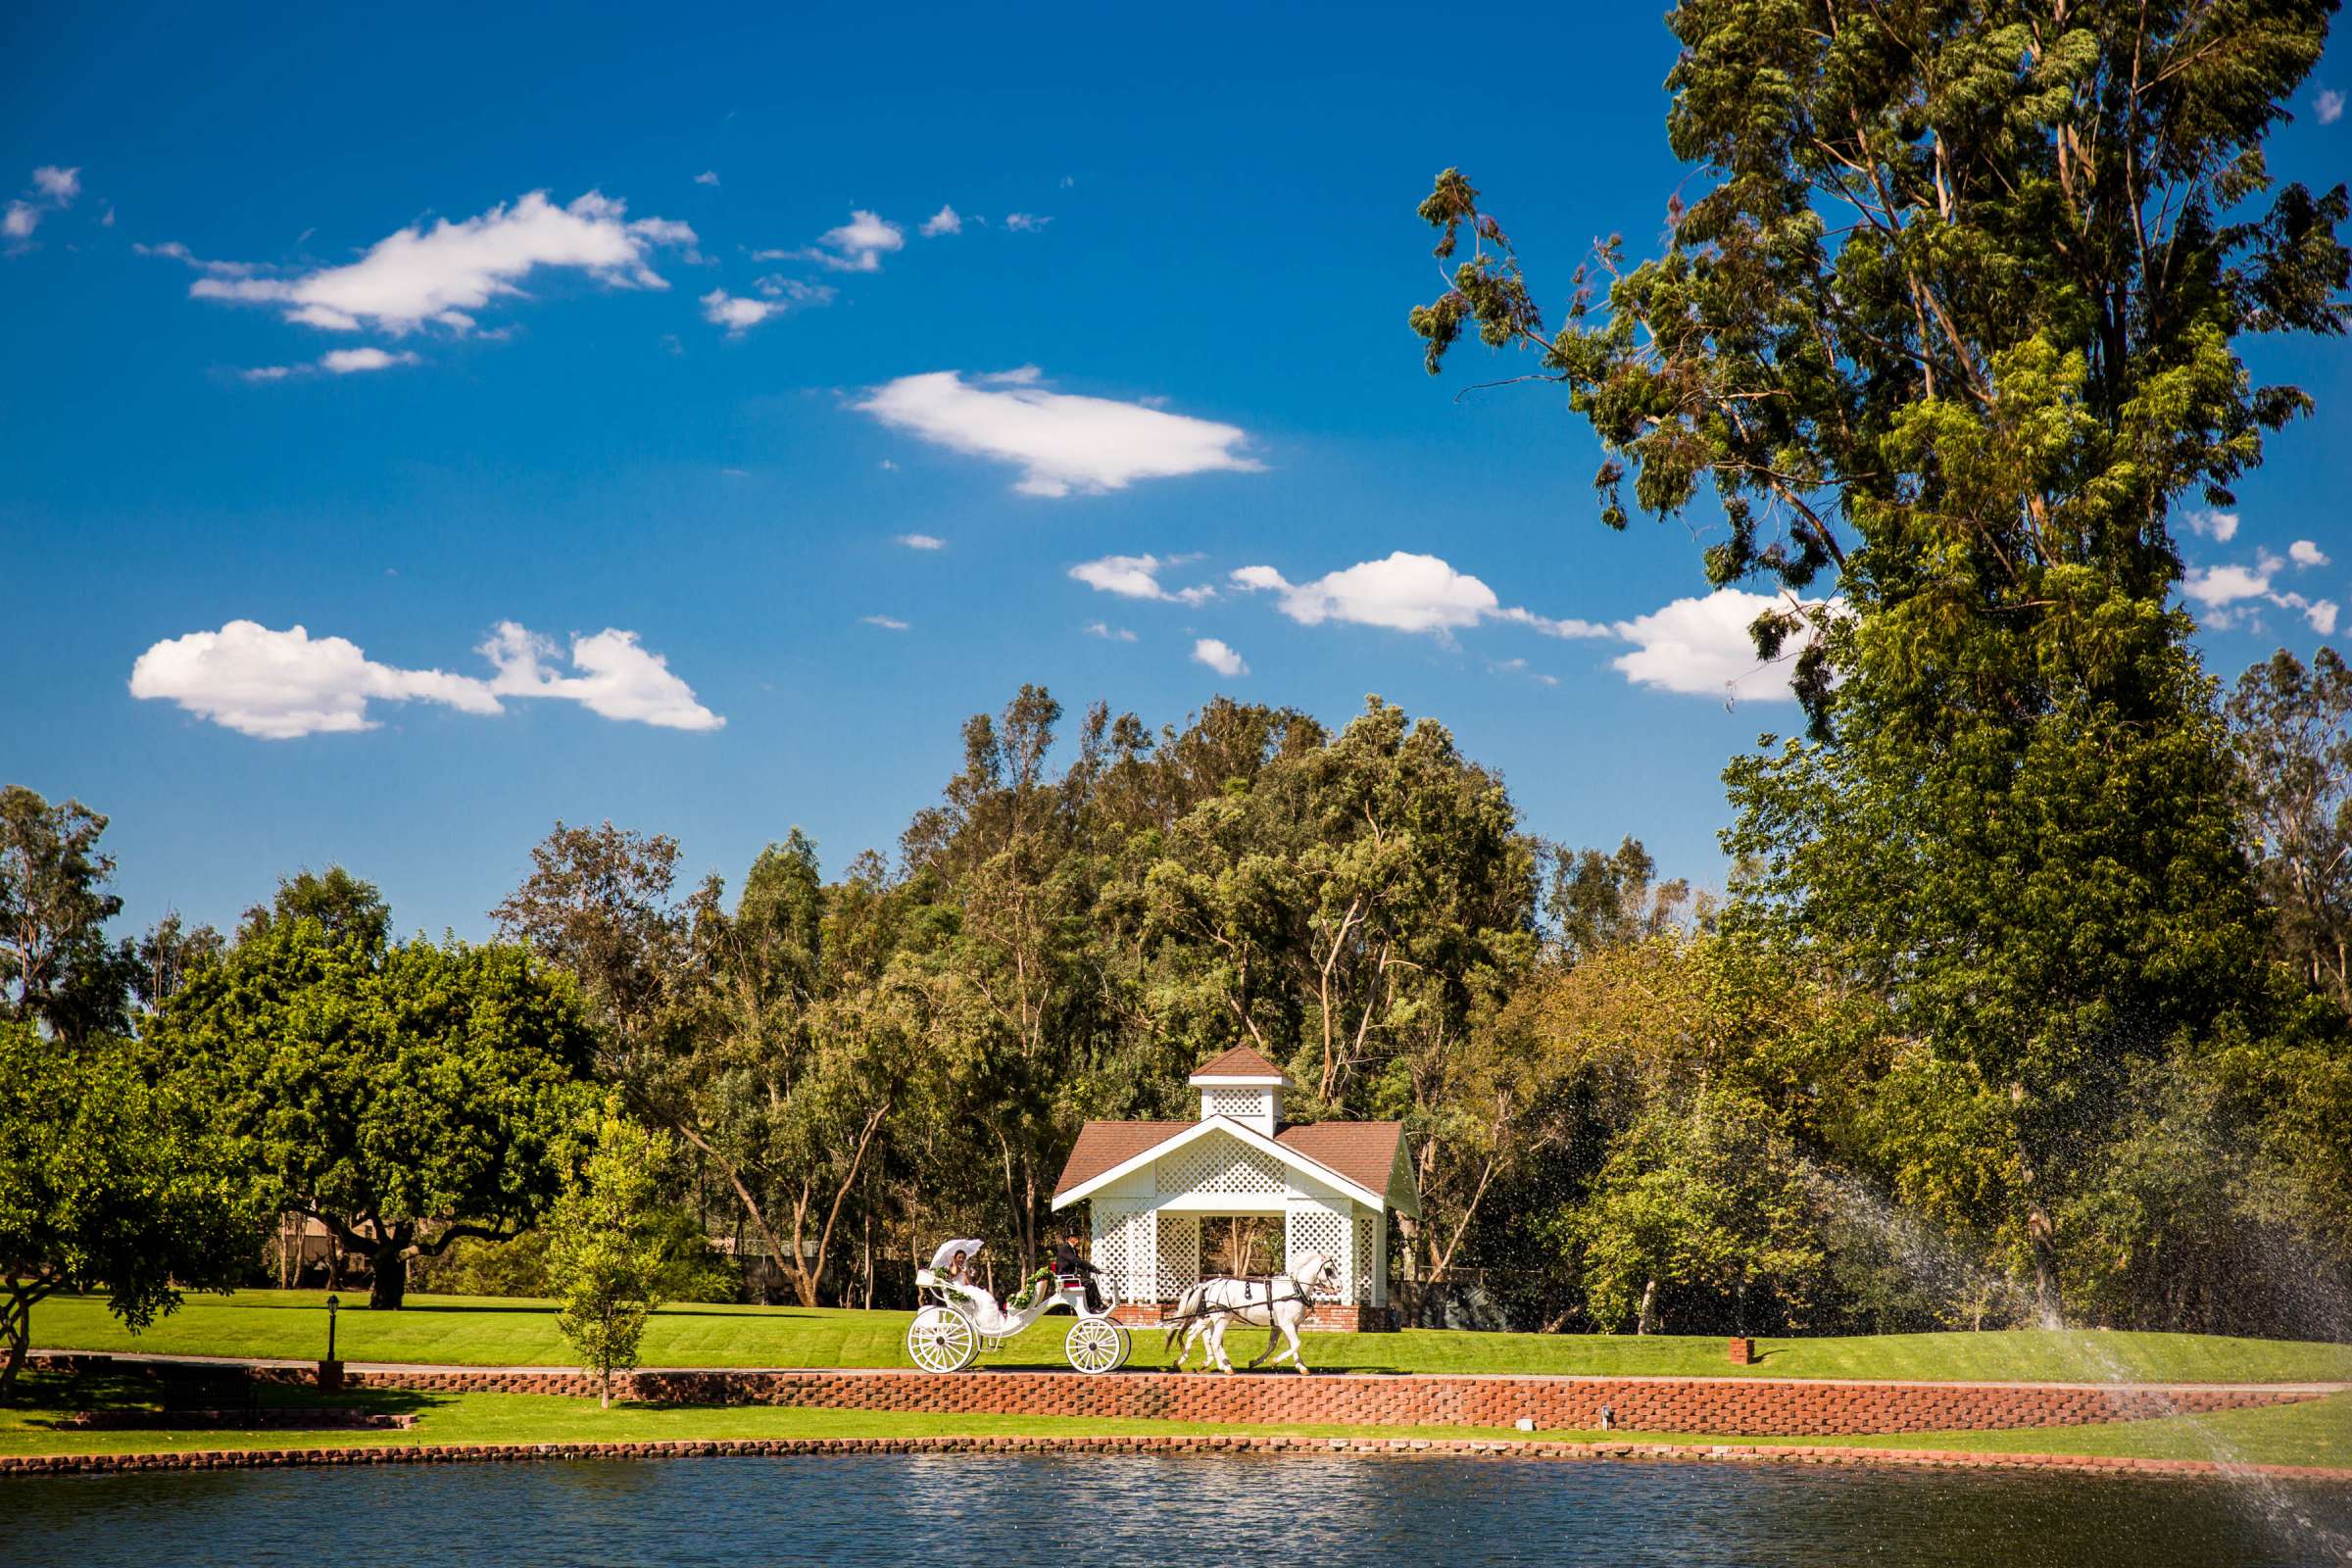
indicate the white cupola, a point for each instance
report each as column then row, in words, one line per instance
column 1243, row 1086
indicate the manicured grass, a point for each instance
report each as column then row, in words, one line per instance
column 2314, row 1433
column 491, row 1331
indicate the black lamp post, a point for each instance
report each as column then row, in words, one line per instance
column 330, row 1370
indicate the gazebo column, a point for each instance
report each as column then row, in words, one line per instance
column 1314, row 1225
column 1178, row 1262
column 1126, row 1247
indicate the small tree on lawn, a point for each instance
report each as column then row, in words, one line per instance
column 608, row 1248
column 107, row 1182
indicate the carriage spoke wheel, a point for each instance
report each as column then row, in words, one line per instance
column 1096, row 1345
column 942, row 1340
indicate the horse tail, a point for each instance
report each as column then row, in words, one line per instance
column 1186, row 1305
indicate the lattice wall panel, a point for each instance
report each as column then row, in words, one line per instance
column 1221, row 1164
column 1366, row 1252
column 1242, row 1104
column 1123, row 1250
column 1319, row 1229
column 1179, row 1255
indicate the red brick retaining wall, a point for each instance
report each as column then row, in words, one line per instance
column 1414, row 1447
column 1733, row 1407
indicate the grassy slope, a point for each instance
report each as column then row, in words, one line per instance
column 2316, row 1433
column 514, row 1333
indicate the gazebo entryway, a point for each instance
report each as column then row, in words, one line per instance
column 1149, row 1185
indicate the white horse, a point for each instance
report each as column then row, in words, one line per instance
column 1280, row 1303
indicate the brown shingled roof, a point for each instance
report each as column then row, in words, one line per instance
column 1240, row 1063
column 1363, row 1152
column 1105, row 1144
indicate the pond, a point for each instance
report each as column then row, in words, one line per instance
column 1078, row 1510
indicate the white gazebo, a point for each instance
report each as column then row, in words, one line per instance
column 1150, row 1184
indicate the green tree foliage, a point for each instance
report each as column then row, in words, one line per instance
column 405, row 1095
column 1955, row 324
column 57, row 968
column 347, row 908
column 1600, row 901
column 108, row 1183
column 607, row 1247
column 2294, row 728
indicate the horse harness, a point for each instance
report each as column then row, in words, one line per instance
column 1233, row 1309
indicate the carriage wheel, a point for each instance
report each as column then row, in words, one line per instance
column 942, row 1340
column 1096, row 1345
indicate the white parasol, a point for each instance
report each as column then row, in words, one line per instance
column 948, row 1251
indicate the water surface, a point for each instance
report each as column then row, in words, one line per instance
column 1269, row 1512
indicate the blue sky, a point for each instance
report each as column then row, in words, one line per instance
column 606, row 508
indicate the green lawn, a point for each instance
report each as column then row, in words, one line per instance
column 2315, row 1433
column 488, row 1332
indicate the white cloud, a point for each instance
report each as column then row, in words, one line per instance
column 737, row 314
column 857, row 246
column 1060, row 442
column 947, row 220
column 267, row 372
column 2219, row 527
column 278, row 685
column 1108, row 633
column 618, row 679
column 173, row 250
column 886, row 622
column 709, row 177
column 922, row 541
column 1137, row 577
column 1219, row 658
column 54, row 190
column 2319, row 615
column 1025, row 223
column 2330, row 104
column 1403, row 591
column 343, row 362
column 2231, row 595
column 443, row 273
column 1702, row 648
column 792, row 291
column 2217, row 587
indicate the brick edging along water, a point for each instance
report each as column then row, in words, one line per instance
column 1731, row 1406
column 1399, row 1447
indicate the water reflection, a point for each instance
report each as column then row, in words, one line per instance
column 988, row 1509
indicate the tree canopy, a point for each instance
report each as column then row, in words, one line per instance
column 108, row 1183
column 1952, row 326
column 404, row 1095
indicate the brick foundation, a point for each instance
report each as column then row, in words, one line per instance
column 1730, row 1405
column 1402, row 1448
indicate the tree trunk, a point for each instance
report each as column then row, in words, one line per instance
column 2041, row 1239
column 1648, row 1321
column 18, row 1344
column 391, row 1283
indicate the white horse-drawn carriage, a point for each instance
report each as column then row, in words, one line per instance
column 959, row 1320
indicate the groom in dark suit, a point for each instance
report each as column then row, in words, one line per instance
column 1067, row 1261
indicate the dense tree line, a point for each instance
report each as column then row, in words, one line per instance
column 1630, row 1108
